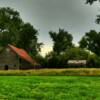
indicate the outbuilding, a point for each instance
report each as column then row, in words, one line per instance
column 13, row 58
column 77, row 62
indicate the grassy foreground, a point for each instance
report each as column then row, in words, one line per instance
column 53, row 72
column 49, row 88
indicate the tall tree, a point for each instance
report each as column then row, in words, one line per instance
column 62, row 40
column 14, row 31
column 28, row 38
column 10, row 23
column 91, row 41
column 91, row 1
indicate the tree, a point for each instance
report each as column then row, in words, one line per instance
column 62, row 40
column 10, row 22
column 76, row 53
column 91, row 41
column 60, row 61
column 93, row 61
column 91, row 1
column 28, row 39
column 53, row 60
column 14, row 31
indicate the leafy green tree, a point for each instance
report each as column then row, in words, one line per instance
column 93, row 61
column 10, row 23
column 53, row 60
column 91, row 1
column 62, row 40
column 77, row 53
column 28, row 39
column 91, row 41
column 60, row 61
column 14, row 31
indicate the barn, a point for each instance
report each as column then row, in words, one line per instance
column 13, row 58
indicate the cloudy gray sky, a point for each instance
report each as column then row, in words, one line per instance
column 45, row 15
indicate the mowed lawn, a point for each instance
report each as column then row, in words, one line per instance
column 49, row 88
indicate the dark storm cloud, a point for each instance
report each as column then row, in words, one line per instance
column 72, row 15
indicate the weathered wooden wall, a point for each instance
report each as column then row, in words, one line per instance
column 8, row 58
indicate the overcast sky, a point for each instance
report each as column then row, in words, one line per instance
column 45, row 15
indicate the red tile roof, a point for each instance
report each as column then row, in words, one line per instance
column 22, row 53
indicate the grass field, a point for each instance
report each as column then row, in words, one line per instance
column 49, row 88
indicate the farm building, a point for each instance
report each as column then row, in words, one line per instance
column 12, row 57
column 77, row 62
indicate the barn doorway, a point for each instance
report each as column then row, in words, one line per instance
column 6, row 67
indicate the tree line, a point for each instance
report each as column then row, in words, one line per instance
column 13, row 30
column 64, row 49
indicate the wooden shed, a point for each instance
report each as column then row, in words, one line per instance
column 77, row 62
column 12, row 58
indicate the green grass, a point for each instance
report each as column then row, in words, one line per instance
column 49, row 88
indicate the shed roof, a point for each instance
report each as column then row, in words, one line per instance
column 22, row 53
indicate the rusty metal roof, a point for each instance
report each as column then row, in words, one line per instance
column 22, row 53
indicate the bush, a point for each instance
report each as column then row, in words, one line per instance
column 55, row 60
column 93, row 61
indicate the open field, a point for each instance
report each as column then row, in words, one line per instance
column 49, row 88
column 53, row 72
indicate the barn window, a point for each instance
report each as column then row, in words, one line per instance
column 6, row 67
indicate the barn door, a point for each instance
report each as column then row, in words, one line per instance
column 6, row 67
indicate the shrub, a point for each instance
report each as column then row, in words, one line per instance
column 93, row 61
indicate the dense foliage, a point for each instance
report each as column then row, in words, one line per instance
column 14, row 31
column 54, row 60
column 62, row 40
column 91, row 1
column 91, row 41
